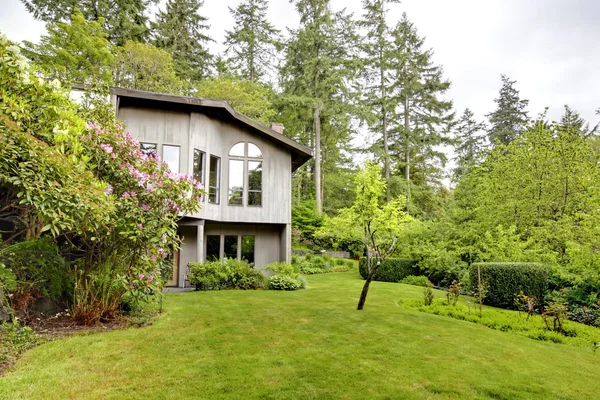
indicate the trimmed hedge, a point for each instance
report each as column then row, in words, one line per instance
column 391, row 269
column 505, row 280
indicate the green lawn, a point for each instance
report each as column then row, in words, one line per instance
column 309, row 344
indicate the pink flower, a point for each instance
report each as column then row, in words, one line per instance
column 153, row 258
column 140, row 227
column 146, row 207
column 107, row 148
column 125, row 195
column 108, row 190
column 131, row 286
column 141, row 276
column 150, row 277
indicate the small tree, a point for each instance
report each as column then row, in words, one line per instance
column 376, row 227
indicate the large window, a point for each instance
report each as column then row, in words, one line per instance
column 199, row 165
column 245, row 167
column 171, row 157
column 236, row 182
column 213, row 179
column 234, row 246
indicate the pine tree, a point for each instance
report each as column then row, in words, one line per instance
column 179, row 30
column 254, row 42
column 470, row 143
column 422, row 116
column 123, row 19
column 377, row 44
column 510, row 118
column 319, row 63
column 74, row 52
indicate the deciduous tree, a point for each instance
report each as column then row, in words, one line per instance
column 376, row 227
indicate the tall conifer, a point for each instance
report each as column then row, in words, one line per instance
column 470, row 143
column 179, row 29
column 423, row 116
column 377, row 44
column 123, row 19
column 253, row 44
column 320, row 62
column 509, row 120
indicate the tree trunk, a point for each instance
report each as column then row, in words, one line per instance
column 365, row 291
column 318, row 193
column 407, row 155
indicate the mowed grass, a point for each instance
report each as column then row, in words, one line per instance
column 309, row 344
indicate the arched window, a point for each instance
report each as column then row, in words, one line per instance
column 245, row 171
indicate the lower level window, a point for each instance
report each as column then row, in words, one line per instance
column 230, row 247
column 213, row 247
column 248, row 249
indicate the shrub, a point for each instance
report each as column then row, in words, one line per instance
column 286, row 282
column 428, row 293
column 505, row 280
column 416, row 280
column 39, row 271
column 391, row 269
column 226, row 274
column 284, row 277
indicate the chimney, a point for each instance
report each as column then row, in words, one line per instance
column 277, row 127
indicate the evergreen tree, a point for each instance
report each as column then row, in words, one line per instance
column 74, row 52
column 320, row 61
column 179, row 30
column 122, row 19
column 377, row 44
column 510, row 118
column 253, row 43
column 470, row 143
column 422, row 117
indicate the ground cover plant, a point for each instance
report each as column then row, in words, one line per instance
column 317, row 264
column 304, row 344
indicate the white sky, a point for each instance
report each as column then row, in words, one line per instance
column 550, row 47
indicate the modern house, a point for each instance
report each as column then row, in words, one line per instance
column 246, row 169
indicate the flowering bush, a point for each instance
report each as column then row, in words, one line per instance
column 74, row 172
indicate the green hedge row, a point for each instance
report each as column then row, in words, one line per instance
column 505, row 280
column 391, row 269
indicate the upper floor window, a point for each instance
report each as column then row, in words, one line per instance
column 245, row 169
column 214, row 176
column 199, row 165
column 149, row 148
column 171, row 157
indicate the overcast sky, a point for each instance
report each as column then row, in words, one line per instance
column 550, row 47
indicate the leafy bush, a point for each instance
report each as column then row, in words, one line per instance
column 416, row 280
column 15, row 339
column 39, row 270
column 391, row 269
column 285, row 277
column 510, row 321
column 226, row 274
column 286, row 282
column 505, row 280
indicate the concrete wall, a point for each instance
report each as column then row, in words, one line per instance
column 213, row 136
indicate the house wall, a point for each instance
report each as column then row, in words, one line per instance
column 213, row 136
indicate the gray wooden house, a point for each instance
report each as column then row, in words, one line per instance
column 246, row 169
